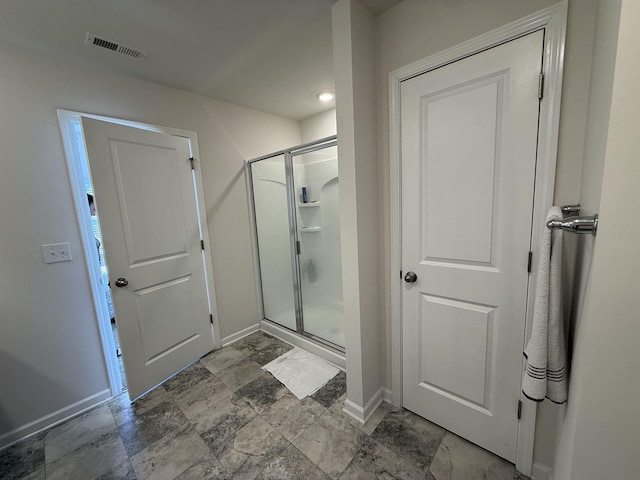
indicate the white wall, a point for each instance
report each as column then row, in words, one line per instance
column 599, row 431
column 597, row 121
column 606, row 19
column 50, row 354
column 318, row 126
column 353, row 49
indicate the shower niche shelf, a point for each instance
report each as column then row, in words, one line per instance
column 310, row 229
column 309, row 204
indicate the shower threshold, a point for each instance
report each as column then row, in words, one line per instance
column 323, row 349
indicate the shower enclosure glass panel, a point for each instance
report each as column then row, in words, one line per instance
column 274, row 240
column 295, row 199
column 315, row 176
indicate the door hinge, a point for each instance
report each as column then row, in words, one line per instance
column 541, row 86
column 202, row 244
column 192, row 160
column 297, row 247
column 211, row 320
column 530, row 259
column 519, row 409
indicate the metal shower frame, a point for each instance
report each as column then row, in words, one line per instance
column 294, row 240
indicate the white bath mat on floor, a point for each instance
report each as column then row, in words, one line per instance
column 301, row 372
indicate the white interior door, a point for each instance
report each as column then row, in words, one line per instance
column 469, row 134
column 146, row 203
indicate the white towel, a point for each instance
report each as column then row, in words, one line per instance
column 546, row 373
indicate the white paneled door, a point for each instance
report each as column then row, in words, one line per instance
column 146, row 202
column 469, row 134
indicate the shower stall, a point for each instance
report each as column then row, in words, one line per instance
column 297, row 226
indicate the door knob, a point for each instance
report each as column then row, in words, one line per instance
column 123, row 282
column 410, row 277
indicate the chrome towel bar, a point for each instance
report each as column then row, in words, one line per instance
column 587, row 224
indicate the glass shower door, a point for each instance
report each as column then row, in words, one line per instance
column 270, row 198
column 315, row 178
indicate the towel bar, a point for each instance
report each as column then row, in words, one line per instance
column 576, row 224
column 570, row 210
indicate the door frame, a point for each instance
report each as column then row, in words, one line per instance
column 553, row 21
column 65, row 118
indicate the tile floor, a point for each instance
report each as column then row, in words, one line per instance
column 224, row 418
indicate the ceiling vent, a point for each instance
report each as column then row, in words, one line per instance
column 117, row 47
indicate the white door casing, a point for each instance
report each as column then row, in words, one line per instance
column 468, row 150
column 146, row 202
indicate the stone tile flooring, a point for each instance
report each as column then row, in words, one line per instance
column 224, row 418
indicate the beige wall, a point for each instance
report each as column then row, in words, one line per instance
column 50, row 353
column 318, row 126
column 415, row 29
column 353, row 47
column 599, row 431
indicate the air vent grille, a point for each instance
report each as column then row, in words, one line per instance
column 122, row 49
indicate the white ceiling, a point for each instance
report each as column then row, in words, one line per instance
column 271, row 55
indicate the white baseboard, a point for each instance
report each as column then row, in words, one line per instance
column 387, row 395
column 541, row 472
column 234, row 337
column 292, row 338
column 52, row 419
column 362, row 414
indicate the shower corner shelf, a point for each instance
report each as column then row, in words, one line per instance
column 309, row 204
column 310, row 229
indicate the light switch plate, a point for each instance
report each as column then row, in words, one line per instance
column 56, row 252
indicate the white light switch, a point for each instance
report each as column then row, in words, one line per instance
column 56, row 252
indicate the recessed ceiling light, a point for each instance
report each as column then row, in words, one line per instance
column 325, row 96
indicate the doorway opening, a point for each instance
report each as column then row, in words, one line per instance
column 100, row 260
column 72, row 127
column 552, row 21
